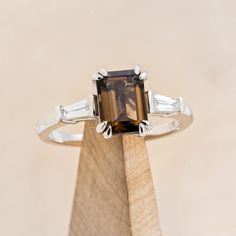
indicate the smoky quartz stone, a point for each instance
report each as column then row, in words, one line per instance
column 121, row 101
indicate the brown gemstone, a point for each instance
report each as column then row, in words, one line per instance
column 121, row 101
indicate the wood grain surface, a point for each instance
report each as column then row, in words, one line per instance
column 114, row 193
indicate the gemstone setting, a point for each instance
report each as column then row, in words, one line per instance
column 122, row 101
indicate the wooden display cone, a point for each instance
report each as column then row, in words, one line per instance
column 114, row 193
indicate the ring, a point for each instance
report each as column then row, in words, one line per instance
column 121, row 106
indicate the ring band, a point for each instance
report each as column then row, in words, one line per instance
column 180, row 118
column 175, row 114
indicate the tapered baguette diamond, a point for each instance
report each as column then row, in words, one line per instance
column 121, row 101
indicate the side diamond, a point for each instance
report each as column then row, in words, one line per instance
column 164, row 105
column 76, row 111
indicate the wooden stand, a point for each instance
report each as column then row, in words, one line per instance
column 114, row 193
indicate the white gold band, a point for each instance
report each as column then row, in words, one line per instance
column 174, row 112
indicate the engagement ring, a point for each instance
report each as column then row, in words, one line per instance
column 121, row 106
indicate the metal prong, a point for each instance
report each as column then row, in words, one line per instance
column 142, row 130
column 59, row 113
column 147, row 124
column 181, row 104
column 101, row 127
column 143, row 76
column 103, row 72
column 97, row 76
column 137, row 70
column 108, row 132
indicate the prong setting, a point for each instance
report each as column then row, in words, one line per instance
column 181, row 104
column 144, row 127
column 143, row 75
column 142, row 130
column 115, row 83
column 97, row 76
column 108, row 132
column 101, row 127
column 105, row 129
column 137, row 70
column 103, row 72
column 147, row 124
column 59, row 111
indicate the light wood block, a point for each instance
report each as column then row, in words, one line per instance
column 114, row 193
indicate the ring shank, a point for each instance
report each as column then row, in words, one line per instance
column 48, row 130
column 177, row 122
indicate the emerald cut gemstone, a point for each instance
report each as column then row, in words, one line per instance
column 121, row 101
